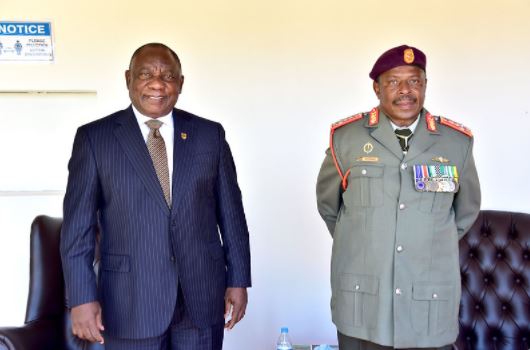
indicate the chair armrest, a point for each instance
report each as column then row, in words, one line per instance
column 40, row 334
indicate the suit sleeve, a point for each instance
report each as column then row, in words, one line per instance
column 329, row 192
column 467, row 200
column 231, row 219
column 78, row 232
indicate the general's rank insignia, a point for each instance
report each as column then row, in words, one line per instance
column 345, row 121
column 457, row 126
column 436, row 178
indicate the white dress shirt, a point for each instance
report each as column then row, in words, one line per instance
column 167, row 132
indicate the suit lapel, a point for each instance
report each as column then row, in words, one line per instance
column 184, row 139
column 384, row 134
column 422, row 139
column 131, row 140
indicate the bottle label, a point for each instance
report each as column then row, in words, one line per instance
column 284, row 347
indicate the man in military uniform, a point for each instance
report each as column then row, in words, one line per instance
column 397, row 189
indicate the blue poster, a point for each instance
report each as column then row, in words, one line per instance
column 26, row 41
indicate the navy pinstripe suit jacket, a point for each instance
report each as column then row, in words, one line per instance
column 147, row 248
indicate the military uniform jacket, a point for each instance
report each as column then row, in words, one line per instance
column 395, row 269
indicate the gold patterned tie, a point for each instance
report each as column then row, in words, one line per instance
column 157, row 150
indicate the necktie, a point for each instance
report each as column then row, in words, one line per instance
column 403, row 136
column 157, row 150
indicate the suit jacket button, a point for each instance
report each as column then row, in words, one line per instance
column 172, row 258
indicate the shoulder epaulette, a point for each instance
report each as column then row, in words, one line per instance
column 345, row 121
column 335, row 126
column 454, row 125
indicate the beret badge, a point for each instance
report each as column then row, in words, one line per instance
column 408, row 56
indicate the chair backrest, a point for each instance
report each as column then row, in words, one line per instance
column 46, row 299
column 46, row 288
column 495, row 270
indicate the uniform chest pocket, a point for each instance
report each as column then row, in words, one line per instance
column 365, row 186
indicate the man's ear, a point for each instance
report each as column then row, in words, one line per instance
column 127, row 78
column 376, row 87
column 181, row 84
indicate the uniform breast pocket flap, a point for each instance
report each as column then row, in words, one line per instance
column 432, row 292
column 365, row 185
column 359, row 284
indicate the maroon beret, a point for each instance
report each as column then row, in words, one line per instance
column 403, row 55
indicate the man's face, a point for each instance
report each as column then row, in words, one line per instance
column 401, row 93
column 154, row 81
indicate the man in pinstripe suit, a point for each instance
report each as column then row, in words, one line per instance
column 175, row 257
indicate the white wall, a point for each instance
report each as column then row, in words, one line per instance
column 276, row 74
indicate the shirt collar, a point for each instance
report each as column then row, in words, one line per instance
column 412, row 126
column 166, row 120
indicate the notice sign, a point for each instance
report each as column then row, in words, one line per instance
column 26, row 41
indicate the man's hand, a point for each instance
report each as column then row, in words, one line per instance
column 86, row 322
column 235, row 305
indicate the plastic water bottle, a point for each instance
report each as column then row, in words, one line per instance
column 284, row 342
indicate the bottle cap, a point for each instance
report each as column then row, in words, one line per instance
column 285, row 330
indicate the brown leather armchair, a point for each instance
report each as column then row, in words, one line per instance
column 495, row 270
column 47, row 322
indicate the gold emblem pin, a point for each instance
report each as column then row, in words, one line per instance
column 368, row 147
column 440, row 160
column 183, row 135
column 408, row 56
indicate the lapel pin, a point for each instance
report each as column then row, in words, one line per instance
column 183, row 135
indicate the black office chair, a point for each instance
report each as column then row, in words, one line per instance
column 47, row 324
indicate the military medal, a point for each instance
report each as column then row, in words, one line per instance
column 436, row 178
